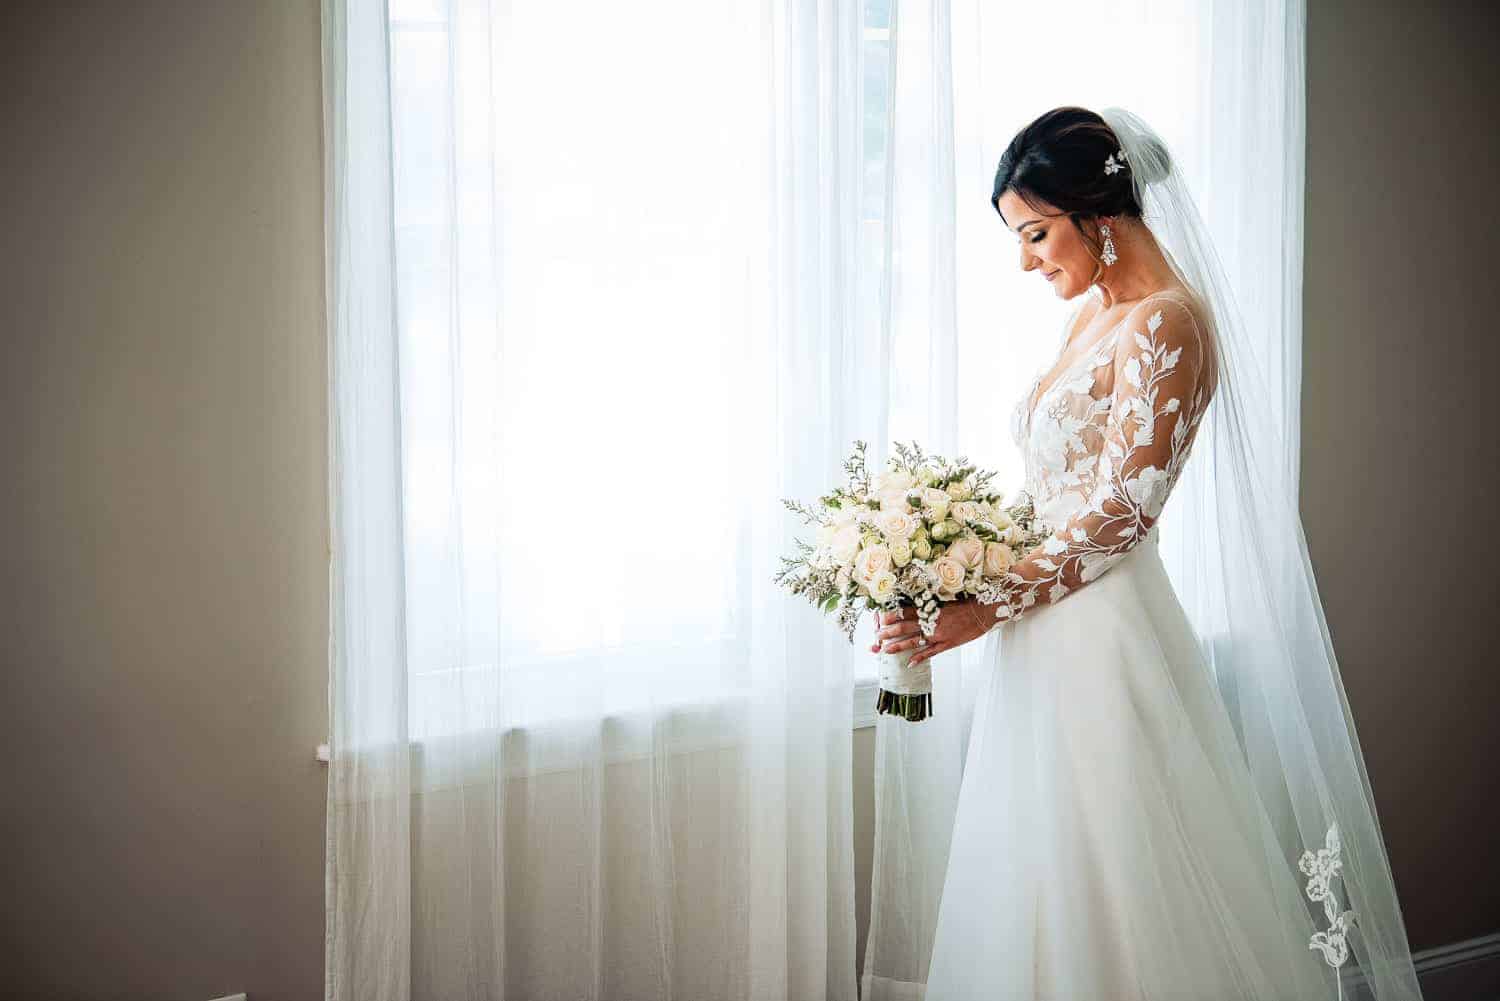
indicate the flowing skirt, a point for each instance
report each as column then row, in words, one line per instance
column 1108, row 843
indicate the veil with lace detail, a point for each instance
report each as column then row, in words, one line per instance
column 1234, row 547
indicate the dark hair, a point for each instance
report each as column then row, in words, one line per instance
column 1060, row 159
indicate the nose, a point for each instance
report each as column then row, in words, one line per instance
column 1028, row 259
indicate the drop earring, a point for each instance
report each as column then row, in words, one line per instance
column 1108, row 256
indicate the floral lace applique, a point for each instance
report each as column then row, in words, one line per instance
column 1322, row 867
column 1063, row 440
column 1126, row 451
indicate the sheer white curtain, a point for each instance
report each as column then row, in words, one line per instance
column 1223, row 84
column 594, row 291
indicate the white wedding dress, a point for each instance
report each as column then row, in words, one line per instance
column 1107, row 842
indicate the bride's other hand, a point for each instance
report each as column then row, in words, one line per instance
column 894, row 631
column 958, row 623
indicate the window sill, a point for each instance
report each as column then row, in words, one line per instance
column 863, row 711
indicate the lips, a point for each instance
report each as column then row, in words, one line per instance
column 1053, row 274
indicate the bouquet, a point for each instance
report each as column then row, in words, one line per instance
column 924, row 533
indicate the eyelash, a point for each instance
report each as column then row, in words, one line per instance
column 1038, row 237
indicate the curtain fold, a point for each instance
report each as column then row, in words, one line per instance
column 594, row 308
column 917, row 768
column 369, row 780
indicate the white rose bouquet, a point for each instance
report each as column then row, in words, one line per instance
column 924, row 533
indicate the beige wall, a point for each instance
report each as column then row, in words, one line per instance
column 162, row 610
column 1399, row 448
column 162, row 501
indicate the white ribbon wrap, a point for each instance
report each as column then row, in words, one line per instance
column 897, row 675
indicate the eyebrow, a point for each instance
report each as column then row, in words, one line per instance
column 1028, row 222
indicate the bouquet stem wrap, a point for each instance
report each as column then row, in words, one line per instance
column 905, row 690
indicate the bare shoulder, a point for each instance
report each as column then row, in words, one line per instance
column 1177, row 319
column 1172, row 314
column 1175, row 303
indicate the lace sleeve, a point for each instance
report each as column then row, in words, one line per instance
column 1162, row 386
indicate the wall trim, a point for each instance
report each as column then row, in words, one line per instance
column 1431, row 962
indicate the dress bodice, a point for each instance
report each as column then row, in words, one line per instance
column 1104, row 443
column 1062, row 437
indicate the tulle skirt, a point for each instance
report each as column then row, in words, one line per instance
column 1108, row 843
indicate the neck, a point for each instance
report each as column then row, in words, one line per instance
column 1141, row 269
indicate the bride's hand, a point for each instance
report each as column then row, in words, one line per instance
column 958, row 623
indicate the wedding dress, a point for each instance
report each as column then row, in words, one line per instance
column 1163, row 748
column 1108, row 841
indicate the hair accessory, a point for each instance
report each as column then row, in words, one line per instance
column 1114, row 162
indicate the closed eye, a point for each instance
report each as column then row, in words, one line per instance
column 1038, row 237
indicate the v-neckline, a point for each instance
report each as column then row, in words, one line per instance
column 1034, row 398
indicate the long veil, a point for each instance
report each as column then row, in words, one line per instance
column 1233, row 545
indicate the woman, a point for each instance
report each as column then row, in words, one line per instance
column 1120, row 831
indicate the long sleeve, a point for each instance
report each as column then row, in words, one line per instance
column 1163, row 382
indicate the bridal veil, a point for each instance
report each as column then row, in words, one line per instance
column 1235, row 550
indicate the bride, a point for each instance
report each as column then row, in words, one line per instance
column 1151, row 776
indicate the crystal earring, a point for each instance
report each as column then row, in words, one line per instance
column 1108, row 256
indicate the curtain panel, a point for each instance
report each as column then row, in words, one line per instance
column 593, row 310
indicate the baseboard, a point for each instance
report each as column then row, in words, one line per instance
column 1460, row 971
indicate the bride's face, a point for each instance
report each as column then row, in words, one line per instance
column 1050, row 245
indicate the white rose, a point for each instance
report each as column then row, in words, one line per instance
column 969, row 552
column 950, row 576
column 893, row 479
column 897, row 524
column 883, row 586
column 845, row 544
column 872, row 561
column 901, row 552
column 937, row 501
column 959, row 491
column 966, row 511
column 997, row 558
